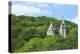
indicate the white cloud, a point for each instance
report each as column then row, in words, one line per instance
column 24, row 9
column 75, row 20
column 42, row 5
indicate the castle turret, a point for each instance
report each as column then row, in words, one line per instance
column 62, row 30
column 51, row 30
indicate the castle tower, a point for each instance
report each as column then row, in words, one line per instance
column 62, row 30
column 51, row 30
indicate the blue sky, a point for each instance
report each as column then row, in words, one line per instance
column 69, row 11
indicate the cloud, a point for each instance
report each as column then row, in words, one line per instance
column 75, row 20
column 24, row 9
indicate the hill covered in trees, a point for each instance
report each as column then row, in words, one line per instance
column 28, row 34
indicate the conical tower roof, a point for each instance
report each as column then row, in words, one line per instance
column 63, row 23
column 51, row 27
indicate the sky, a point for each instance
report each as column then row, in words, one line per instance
column 68, row 11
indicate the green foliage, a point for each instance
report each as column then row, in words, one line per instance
column 28, row 33
column 33, row 45
column 50, row 41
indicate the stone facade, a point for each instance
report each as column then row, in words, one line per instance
column 51, row 30
column 62, row 30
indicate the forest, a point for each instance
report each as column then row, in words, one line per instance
column 29, row 34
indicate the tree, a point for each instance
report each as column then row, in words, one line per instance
column 49, row 42
column 33, row 45
column 28, row 33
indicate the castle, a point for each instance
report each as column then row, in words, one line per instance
column 62, row 29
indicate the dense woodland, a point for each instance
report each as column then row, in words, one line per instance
column 28, row 34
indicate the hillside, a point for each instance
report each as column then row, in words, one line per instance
column 28, row 33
